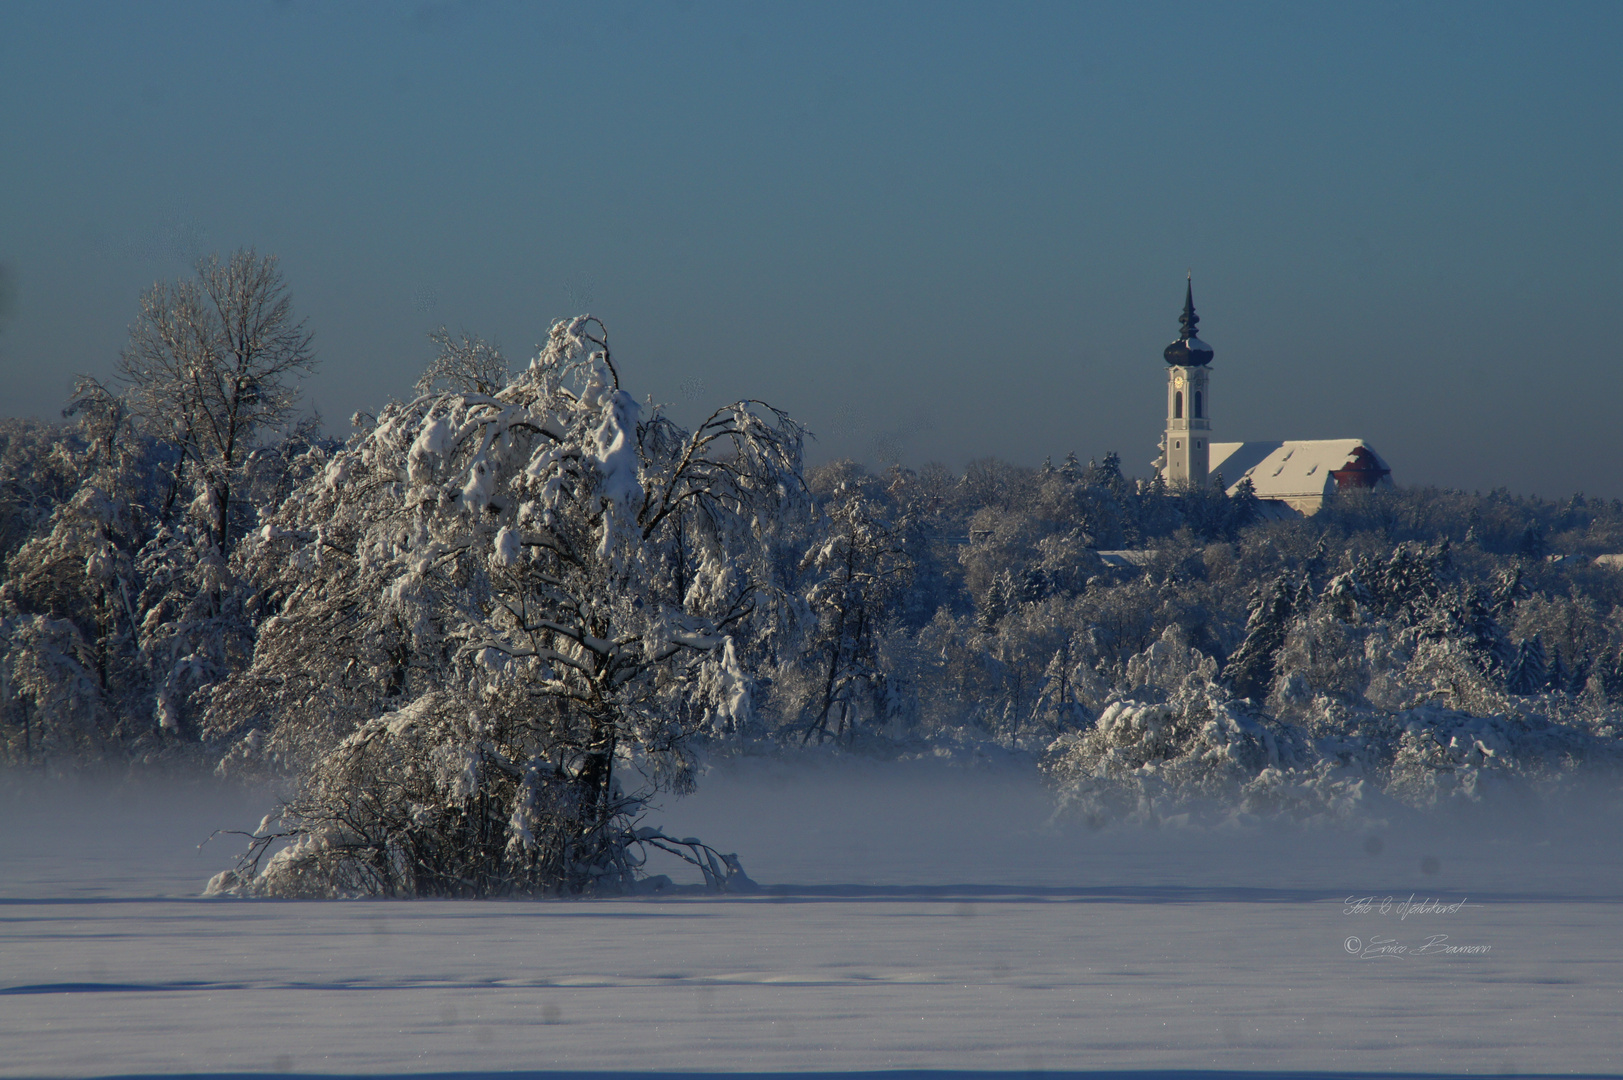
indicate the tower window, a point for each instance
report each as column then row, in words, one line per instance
column 1177, row 405
column 1198, row 413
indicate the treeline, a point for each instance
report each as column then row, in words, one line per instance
column 934, row 602
column 1011, row 621
column 1402, row 647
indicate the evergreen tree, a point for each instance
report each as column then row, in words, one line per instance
column 1528, row 673
column 1000, row 597
column 1110, row 474
column 1489, row 645
column 1559, row 679
column 1531, row 546
column 1250, row 670
column 1508, row 588
column 1032, row 586
column 1244, row 506
column 1578, row 679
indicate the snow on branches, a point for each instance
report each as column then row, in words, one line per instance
column 566, row 578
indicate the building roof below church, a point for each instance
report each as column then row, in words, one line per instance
column 1300, row 473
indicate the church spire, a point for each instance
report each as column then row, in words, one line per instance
column 1188, row 320
column 1188, row 350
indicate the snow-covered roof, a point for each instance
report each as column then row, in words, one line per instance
column 1282, row 470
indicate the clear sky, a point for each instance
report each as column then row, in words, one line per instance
column 930, row 231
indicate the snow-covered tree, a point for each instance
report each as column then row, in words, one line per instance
column 53, row 707
column 39, row 470
column 1250, row 670
column 493, row 624
column 1528, row 673
column 856, row 569
column 134, row 619
column 1059, row 702
column 73, row 679
column 1174, row 741
column 1212, row 514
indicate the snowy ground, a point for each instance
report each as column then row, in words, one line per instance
column 912, row 918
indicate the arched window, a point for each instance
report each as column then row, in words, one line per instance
column 1197, row 405
column 1177, row 405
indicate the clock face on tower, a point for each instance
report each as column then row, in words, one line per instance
column 1177, row 380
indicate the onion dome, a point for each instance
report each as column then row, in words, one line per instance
column 1188, row 350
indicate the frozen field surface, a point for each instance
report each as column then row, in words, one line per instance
column 911, row 918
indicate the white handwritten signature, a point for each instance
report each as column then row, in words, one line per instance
column 1387, row 905
column 1436, row 945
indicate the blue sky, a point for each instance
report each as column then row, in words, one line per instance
column 931, row 231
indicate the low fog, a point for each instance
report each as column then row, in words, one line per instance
column 909, row 914
column 829, row 826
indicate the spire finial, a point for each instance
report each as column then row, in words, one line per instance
column 1188, row 320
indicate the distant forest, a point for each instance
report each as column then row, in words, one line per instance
column 476, row 637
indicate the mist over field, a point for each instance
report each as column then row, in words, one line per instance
column 817, row 825
column 910, row 915
column 993, row 829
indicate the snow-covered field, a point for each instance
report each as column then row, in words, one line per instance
column 912, row 917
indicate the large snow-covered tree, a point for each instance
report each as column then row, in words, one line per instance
column 494, row 622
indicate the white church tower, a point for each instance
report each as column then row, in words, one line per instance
column 1186, row 451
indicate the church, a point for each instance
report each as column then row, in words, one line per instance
column 1289, row 477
